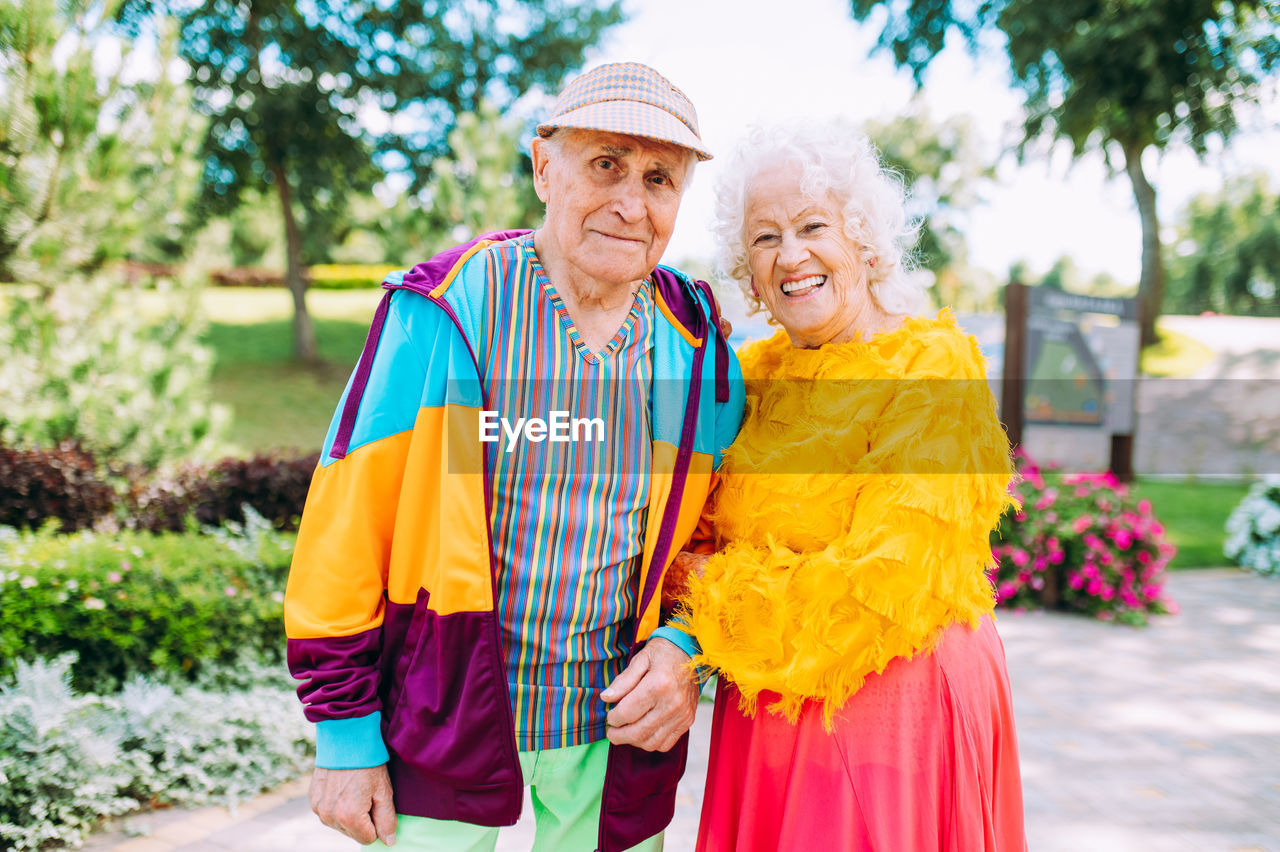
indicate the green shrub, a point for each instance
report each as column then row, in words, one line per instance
column 348, row 276
column 60, row 762
column 134, row 603
column 67, row 760
column 86, row 365
column 208, row 742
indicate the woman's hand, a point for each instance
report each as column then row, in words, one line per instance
column 686, row 564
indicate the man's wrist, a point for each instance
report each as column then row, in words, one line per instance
column 354, row 743
column 679, row 638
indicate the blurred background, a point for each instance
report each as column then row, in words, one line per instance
column 161, row 159
column 198, row 201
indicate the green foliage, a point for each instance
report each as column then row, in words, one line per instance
column 94, row 165
column 1194, row 512
column 263, row 67
column 68, row 759
column 256, row 238
column 1136, row 72
column 1133, row 71
column 60, row 766
column 258, row 70
column 1227, row 255
column 84, row 365
column 1065, row 275
column 1119, row 77
column 942, row 169
column 167, row 605
column 433, row 60
column 485, row 183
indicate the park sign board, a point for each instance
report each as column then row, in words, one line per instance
column 1081, row 360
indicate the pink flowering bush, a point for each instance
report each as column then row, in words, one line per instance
column 1081, row 542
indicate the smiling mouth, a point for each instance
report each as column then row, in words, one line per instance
column 619, row 237
column 803, row 286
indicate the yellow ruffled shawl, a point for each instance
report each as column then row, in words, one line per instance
column 852, row 513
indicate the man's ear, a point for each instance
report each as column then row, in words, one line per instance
column 541, row 152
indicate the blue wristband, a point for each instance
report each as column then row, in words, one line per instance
column 679, row 638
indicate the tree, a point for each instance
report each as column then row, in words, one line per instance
column 93, row 166
column 1066, row 276
column 293, row 91
column 93, row 163
column 1227, row 255
column 484, row 184
column 942, row 169
column 1120, row 76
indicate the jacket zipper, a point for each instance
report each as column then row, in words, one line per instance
column 510, row 739
column 679, row 475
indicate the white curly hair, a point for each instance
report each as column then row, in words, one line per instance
column 835, row 157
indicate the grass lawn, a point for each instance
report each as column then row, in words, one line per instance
column 1193, row 513
column 1175, row 356
column 275, row 402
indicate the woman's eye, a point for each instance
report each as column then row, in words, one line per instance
column 813, row 227
column 764, row 239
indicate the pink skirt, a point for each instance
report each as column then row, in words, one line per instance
column 922, row 757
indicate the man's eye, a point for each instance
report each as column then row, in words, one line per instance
column 605, row 164
column 660, row 180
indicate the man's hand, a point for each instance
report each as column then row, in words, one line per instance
column 655, row 698
column 356, row 802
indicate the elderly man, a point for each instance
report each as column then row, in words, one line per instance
column 474, row 601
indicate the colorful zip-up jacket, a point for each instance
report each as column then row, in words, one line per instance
column 390, row 606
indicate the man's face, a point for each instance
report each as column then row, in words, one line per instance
column 611, row 203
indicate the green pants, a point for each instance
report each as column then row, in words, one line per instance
column 565, row 784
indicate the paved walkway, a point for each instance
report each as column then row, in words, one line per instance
column 1158, row 740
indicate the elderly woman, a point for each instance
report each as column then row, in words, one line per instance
column 863, row 700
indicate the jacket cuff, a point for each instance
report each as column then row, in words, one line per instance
column 350, row 743
column 679, row 638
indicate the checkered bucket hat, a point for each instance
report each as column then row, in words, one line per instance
column 628, row 98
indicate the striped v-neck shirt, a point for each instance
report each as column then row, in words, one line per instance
column 567, row 517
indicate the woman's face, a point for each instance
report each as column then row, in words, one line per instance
column 810, row 276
